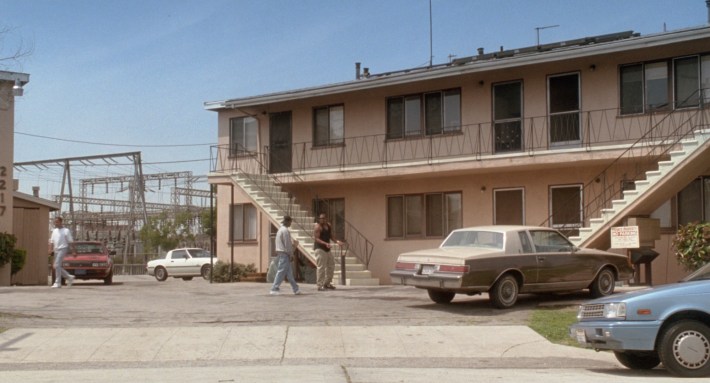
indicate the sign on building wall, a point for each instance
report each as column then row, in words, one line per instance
column 625, row 237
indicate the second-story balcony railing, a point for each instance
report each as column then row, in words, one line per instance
column 587, row 130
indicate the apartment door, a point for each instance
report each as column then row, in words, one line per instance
column 509, row 205
column 280, row 142
column 564, row 110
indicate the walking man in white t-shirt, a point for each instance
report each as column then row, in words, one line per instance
column 284, row 248
column 59, row 244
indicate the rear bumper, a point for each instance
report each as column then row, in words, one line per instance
column 436, row 280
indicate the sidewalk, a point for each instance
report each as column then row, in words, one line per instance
column 278, row 344
column 337, row 354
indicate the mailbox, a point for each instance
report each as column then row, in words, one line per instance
column 643, row 255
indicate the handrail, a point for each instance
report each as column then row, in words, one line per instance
column 583, row 129
column 663, row 135
column 252, row 164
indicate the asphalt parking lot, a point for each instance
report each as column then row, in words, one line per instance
column 141, row 300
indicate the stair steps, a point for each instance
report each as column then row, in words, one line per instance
column 665, row 167
column 273, row 201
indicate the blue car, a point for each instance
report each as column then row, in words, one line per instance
column 669, row 324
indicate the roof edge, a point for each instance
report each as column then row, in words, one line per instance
column 445, row 70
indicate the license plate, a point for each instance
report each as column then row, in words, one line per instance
column 581, row 336
column 79, row 272
column 428, row 269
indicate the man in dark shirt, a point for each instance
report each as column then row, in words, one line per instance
column 325, row 262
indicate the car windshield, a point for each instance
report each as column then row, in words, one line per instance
column 87, row 248
column 700, row 274
column 199, row 253
column 475, row 238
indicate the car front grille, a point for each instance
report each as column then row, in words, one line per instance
column 591, row 311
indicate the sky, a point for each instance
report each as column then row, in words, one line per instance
column 115, row 76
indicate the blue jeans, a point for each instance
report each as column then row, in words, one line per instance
column 59, row 271
column 283, row 270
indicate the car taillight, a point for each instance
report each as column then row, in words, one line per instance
column 406, row 266
column 453, row 269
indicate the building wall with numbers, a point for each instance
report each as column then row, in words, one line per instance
column 7, row 118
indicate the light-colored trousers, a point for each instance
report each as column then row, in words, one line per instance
column 59, row 271
column 326, row 267
column 284, row 270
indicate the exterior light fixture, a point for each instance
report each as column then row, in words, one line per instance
column 17, row 88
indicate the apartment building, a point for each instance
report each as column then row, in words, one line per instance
column 579, row 135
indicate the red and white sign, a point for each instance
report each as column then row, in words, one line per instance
column 625, row 237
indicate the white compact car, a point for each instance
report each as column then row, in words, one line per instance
column 182, row 263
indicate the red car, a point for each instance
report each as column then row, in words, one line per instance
column 89, row 260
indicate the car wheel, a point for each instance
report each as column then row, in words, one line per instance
column 206, row 271
column 638, row 360
column 685, row 349
column 441, row 297
column 504, row 292
column 109, row 279
column 186, row 278
column 603, row 284
column 161, row 274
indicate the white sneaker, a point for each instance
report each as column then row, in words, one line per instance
column 297, row 292
column 56, row 286
column 70, row 280
column 275, row 292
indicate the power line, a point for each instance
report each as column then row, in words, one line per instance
column 107, row 144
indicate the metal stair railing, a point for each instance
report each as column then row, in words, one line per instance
column 665, row 134
column 254, row 166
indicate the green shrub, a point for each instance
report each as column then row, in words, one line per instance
column 19, row 257
column 220, row 272
column 7, row 248
column 692, row 245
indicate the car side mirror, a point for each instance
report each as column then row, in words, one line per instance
column 112, row 252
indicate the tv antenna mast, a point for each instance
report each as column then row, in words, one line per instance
column 431, row 49
column 537, row 31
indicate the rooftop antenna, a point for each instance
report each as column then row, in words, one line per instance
column 431, row 49
column 537, row 31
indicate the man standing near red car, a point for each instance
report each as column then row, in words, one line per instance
column 59, row 244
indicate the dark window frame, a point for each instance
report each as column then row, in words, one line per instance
column 243, row 238
column 329, row 140
column 248, row 149
column 425, row 228
column 629, row 98
column 400, row 125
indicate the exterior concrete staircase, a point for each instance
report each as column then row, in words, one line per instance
column 688, row 157
column 275, row 203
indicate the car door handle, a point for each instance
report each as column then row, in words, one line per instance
column 540, row 258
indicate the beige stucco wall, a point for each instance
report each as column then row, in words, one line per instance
column 7, row 111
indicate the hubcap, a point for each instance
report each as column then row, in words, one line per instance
column 508, row 291
column 605, row 282
column 691, row 349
